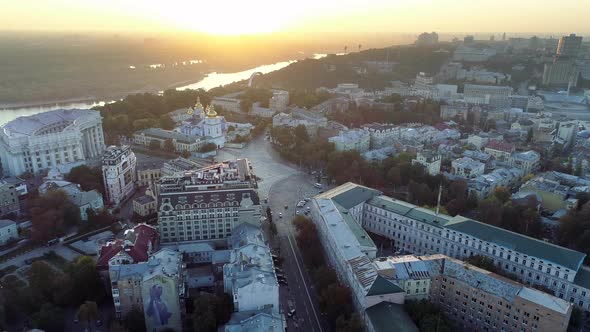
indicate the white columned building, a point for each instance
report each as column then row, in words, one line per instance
column 51, row 139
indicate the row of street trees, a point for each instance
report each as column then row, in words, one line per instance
column 335, row 299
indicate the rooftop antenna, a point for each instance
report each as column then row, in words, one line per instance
column 438, row 200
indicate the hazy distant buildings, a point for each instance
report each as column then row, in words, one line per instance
column 473, row 54
column 427, row 39
column 50, row 139
column 569, row 46
column 279, row 101
column 560, row 72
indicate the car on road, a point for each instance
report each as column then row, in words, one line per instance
column 283, row 282
column 301, row 203
column 279, row 270
column 291, row 313
column 307, row 199
column 318, row 185
column 308, row 208
column 280, row 214
column 286, row 207
column 297, row 212
column 280, row 275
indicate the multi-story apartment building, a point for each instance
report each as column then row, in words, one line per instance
column 249, row 276
column 476, row 299
column 118, row 172
column 9, row 202
column 430, row 160
column 279, row 101
column 382, row 135
column 156, row 287
column 45, row 140
column 148, row 174
column 528, row 161
column 227, row 103
column 8, row 231
column 207, row 203
column 467, row 167
column 423, row 231
column 500, row 150
column 349, row 248
column 487, row 94
column 353, row 139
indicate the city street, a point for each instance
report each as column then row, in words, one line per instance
column 284, row 185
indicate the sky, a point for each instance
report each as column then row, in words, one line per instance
column 238, row 17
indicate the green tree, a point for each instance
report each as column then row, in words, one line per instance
column 169, row 146
column 88, row 312
column 166, row 122
column 502, row 194
column 134, row 321
column 49, row 318
column 85, row 280
column 154, row 145
column 88, row 178
column 210, row 311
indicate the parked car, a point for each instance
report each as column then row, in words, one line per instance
column 318, row 185
column 280, row 214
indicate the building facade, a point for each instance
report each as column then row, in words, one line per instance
column 45, row 140
column 354, row 139
column 430, row 160
column 467, row 167
column 9, row 202
column 208, row 203
column 181, row 142
column 8, row 231
column 119, row 175
column 421, row 231
column 528, row 161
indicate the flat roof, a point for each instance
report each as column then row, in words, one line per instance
column 390, row 317
column 350, row 194
column 544, row 299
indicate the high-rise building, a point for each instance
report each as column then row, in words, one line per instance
column 569, row 46
column 50, row 139
column 118, row 172
column 207, row 203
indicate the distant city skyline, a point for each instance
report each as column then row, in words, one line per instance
column 305, row 16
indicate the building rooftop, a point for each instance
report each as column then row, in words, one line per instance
column 500, row 146
column 162, row 134
column 113, row 153
column 544, row 299
column 382, row 286
column 137, row 244
column 255, row 321
column 528, row 155
column 546, row 251
column 6, row 223
column 349, row 194
column 390, row 317
column 144, row 199
column 34, row 124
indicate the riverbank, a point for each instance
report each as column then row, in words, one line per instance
column 96, row 99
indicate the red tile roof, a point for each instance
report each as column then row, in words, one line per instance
column 143, row 234
column 500, row 146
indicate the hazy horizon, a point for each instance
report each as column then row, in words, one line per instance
column 306, row 16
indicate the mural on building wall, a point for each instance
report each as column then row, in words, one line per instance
column 160, row 301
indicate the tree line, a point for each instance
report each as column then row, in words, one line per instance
column 335, row 298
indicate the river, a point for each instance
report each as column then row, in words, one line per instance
column 212, row 80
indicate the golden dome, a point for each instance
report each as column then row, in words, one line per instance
column 198, row 105
column 211, row 112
